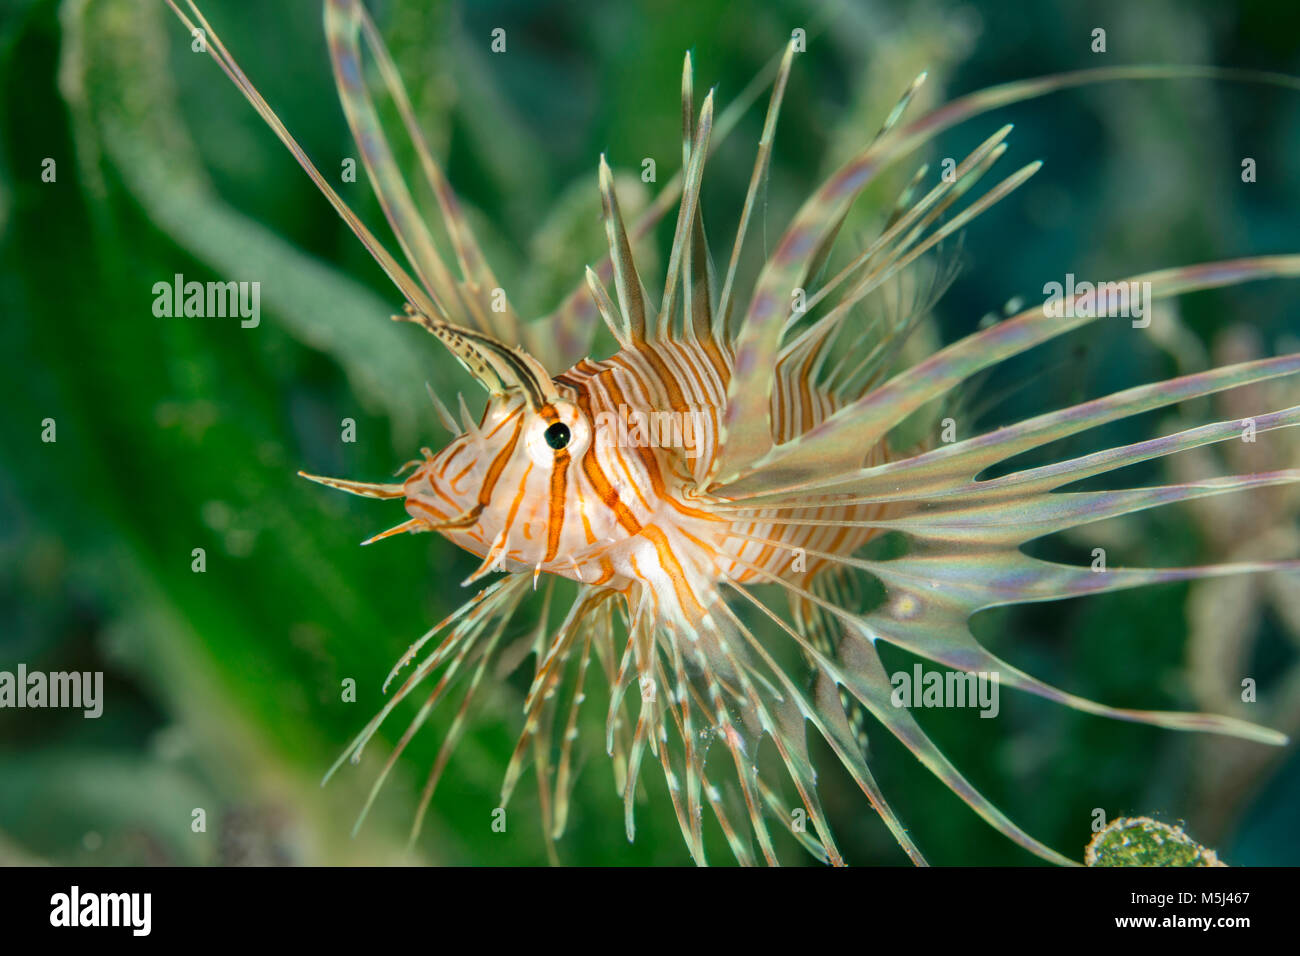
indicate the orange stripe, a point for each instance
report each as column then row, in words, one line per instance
column 555, row 518
column 498, row 465
column 666, row 377
column 501, row 424
column 514, row 510
column 666, row 557
column 599, row 483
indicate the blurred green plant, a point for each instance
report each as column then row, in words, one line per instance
column 1141, row 841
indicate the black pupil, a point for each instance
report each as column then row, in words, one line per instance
column 557, row 435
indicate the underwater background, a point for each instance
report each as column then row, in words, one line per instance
column 222, row 689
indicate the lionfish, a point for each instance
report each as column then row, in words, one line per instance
column 791, row 399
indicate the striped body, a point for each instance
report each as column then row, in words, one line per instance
column 622, row 504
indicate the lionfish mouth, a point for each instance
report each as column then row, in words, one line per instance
column 741, row 641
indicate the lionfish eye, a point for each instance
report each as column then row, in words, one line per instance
column 557, row 435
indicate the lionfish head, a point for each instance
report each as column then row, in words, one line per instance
column 498, row 488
